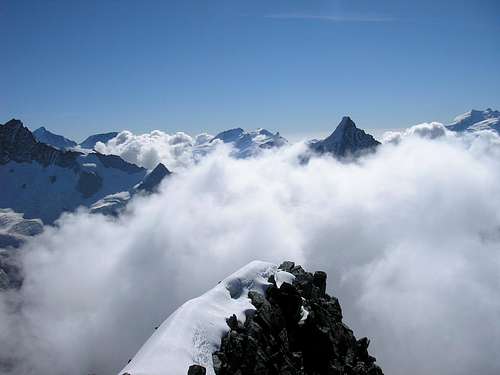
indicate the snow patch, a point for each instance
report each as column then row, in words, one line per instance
column 283, row 277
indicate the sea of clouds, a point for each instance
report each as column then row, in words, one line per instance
column 409, row 236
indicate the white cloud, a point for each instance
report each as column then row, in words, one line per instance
column 176, row 151
column 409, row 238
column 431, row 130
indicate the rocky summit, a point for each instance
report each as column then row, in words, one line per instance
column 346, row 141
column 296, row 329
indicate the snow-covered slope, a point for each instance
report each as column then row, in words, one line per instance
column 15, row 229
column 42, row 181
column 475, row 120
column 346, row 140
column 247, row 144
column 194, row 331
column 90, row 142
column 45, row 136
column 114, row 204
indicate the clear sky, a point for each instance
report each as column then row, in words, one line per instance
column 80, row 67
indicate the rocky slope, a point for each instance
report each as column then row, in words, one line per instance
column 346, row 140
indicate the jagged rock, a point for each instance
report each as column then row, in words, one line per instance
column 18, row 144
column 154, row 178
column 197, row 370
column 280, row 338
column 347, row 140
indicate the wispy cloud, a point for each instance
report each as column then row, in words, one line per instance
column 332, row 18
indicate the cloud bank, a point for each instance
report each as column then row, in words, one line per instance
column 409, row 237
column 176, row 151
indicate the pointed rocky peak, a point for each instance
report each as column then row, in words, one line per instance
column 45, row 136
column 346, row 140
column 13, row 135
column 343, row 127
column 13, row 123
column 18, row 144
column 154, row 178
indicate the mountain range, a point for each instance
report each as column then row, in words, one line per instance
column 43, row 181
column 44, row 174
column 44, row 135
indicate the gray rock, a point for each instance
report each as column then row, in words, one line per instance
column 275, row 340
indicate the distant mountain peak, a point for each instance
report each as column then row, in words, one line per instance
column 249, row 143
column 153, row 179
column 346, row 140
column 14, row 123
column 45, row 136
column 475, row 120
column 91, row 141
column 229, row 135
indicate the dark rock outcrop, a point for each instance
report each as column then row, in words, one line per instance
column 296, row 330
column 197, row 370
column 346, row 140
column 18, row 144
column 154, row 178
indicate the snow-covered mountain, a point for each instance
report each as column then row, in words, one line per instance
column 45, row 136
column 42, row 181
column 346, row 140
column 248, row 144
column 475, row 120
column 114, row 204
column 90, row 142
column 263, row 319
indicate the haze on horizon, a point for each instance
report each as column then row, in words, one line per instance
column 85, row 67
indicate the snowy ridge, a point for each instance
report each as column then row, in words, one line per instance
column 247, row 144
column 475, row 120
column 90, row 142
column 194, row 331
column 45, row 136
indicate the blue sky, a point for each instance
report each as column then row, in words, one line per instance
column 80, row 67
